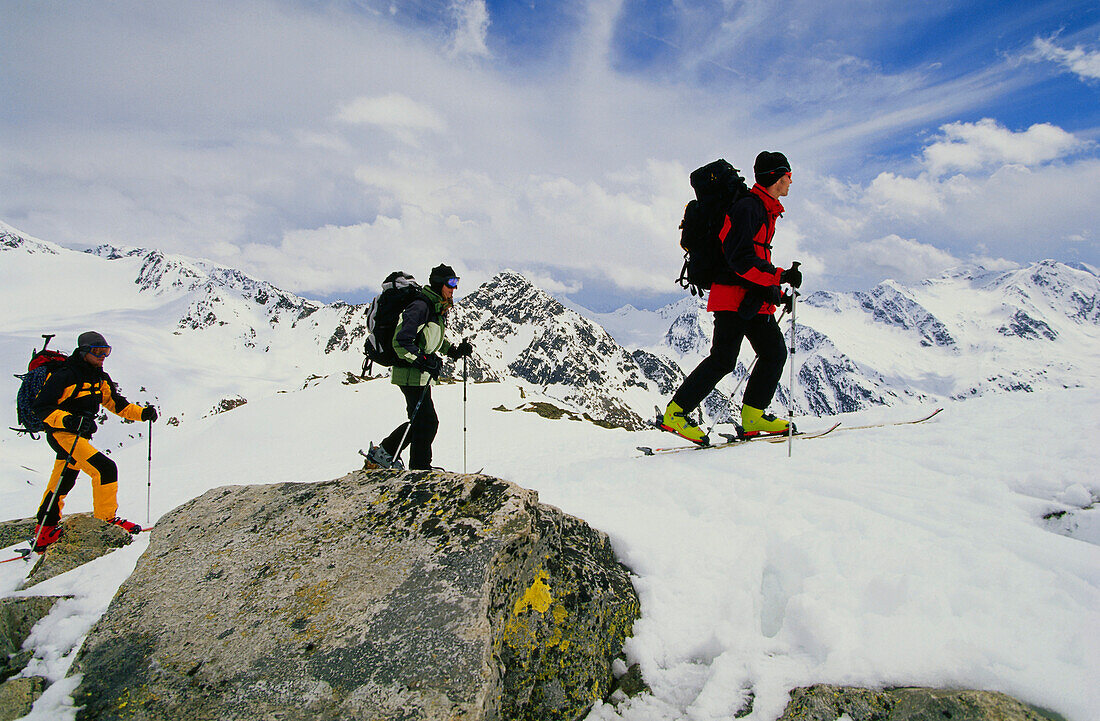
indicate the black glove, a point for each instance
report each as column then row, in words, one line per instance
column 787, row 301
column 72, row 423
column 430, row 364
column 149, row 413
column 792, row 275
column 461, row 350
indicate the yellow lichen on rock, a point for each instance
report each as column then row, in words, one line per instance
column 537, row 596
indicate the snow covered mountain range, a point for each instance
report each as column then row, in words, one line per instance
column 968, row 333
column 965, row 334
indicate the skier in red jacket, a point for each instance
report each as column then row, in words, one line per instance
column 743, row 299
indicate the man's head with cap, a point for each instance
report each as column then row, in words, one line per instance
column 771, row 167
column 443, row 276
column 91, row 339
column 93, row 347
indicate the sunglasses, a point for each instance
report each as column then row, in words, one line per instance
column 452, row 282
column 100, row 351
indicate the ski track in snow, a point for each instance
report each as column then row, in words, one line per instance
column 901, row 555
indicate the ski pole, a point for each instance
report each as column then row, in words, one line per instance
column 53, row 496
column 423, row 395
column 790, row 401
column 149, row 479
column 464, row 413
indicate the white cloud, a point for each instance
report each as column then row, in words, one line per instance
column 472, row 28
column 620, row 232
column 987, row 143
column 1083, row 63
column 326, row 141
column 903, row 259
column 392, row 111
column 549, row 283
column 898, row 195
column 323, row 145
column 1015, row 212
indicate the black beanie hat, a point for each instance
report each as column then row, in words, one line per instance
column 91, row 339
column 440, row 275
column 770, row 167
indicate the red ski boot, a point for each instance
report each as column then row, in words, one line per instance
column 44, row 536
column 128, row 526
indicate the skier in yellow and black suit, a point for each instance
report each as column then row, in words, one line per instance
column 67, row 405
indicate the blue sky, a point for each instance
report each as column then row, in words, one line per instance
column 321, row 144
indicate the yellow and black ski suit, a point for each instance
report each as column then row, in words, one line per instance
column 73, row 392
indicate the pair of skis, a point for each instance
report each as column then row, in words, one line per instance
column 780, row 437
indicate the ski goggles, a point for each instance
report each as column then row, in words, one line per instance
column 452, row 283
column 100, row 351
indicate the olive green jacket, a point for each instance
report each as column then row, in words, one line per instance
column 419, row 332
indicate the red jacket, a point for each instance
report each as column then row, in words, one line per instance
column 746, row 237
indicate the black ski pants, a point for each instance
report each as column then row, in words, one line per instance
column 424, row 422
column 730, row 329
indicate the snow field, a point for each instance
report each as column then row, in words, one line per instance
column 899, row 555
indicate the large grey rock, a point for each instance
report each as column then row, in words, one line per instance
column 17, row 618
column 17, row 696
column 381, row 595
column 14, row 531
column 829, row 703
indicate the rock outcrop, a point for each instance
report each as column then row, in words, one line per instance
column 829, row 703
column 83, row 538
column 17, row 618
column 394, row 595
column 14, row 531
column 17, row 696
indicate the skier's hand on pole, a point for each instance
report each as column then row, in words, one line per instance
column 786, row 302
column 792, row 276
column 429, row 364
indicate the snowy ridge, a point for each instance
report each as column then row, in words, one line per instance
column 250, row 337
column 965, row 334
column 962, row 335
column 12, row 240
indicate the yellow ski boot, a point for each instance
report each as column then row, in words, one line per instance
column 756, row 422
column 675, row 421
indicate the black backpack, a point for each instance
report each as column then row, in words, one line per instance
column 718, row 186
column 398, row 290
column 42, row 363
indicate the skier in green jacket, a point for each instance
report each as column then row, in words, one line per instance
column 417, row 340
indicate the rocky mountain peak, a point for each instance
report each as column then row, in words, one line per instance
column 12, row 241
column 510, row 296
column 523, row 331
